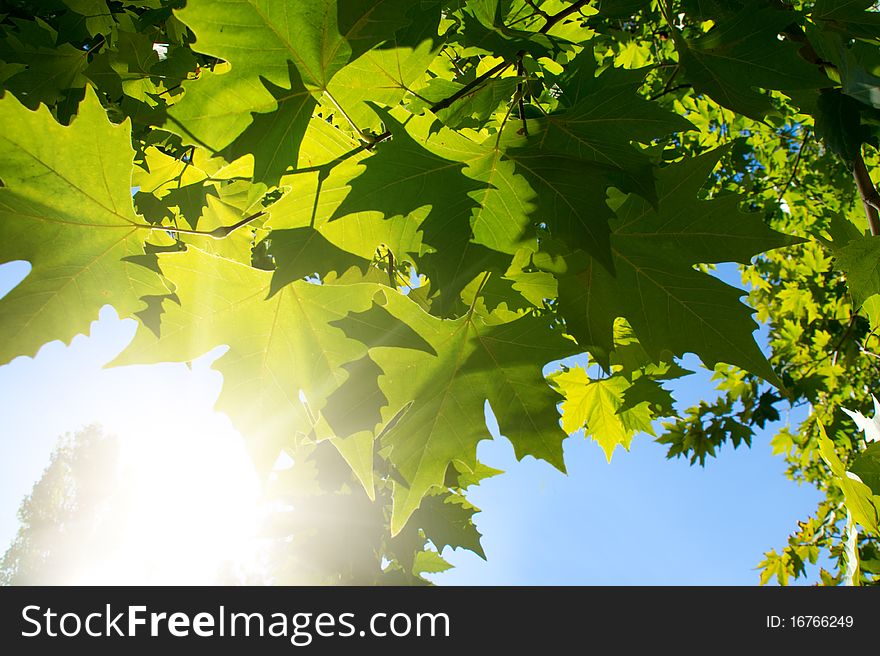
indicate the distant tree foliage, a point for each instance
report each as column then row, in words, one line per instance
column 64, row 520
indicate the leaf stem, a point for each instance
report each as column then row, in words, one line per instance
column 503, row 123
column 477, row 293
column 366, row 137
column 217, row 233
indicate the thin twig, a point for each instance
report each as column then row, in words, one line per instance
column 562, row 15
column 540, row 12
column 797, row 161
column 453, row 62
column 666, row 86
column 867, row 352
column 677, row 87
column 470, row 86
column 371, row 140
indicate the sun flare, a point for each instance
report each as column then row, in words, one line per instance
column 188, row 495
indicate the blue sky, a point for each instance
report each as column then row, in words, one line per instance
column 641, row 519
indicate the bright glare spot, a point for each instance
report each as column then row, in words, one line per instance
column 190, row 496
column 161, row 49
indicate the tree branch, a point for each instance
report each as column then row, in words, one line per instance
column 562, row 15
column 868, row 193
column 669, row 90
column 470, row 86
column 794, row 169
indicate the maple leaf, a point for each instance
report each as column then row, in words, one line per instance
column 671, row 306
column 405, row 176
column 485, row 30
column 860, row 260
column 65, row 207
column 442, row 418
column 282, row 56
column 384, row 76
column 50, row 70
column 598, row 407
column 302, row 252
column 318, row 36
column 860, row 499
column 599, row 118
column 742, row 53
column 853, row 17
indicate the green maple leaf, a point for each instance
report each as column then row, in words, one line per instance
column 274, row 136
column 318, row 36
column 671, row 306
column 403, row 177
column 95, row 14
column 355, row 406
column 302, row 252
column 839, row 124
column 859, row 498
column 599, row 118
column 471, row 110
column 443, row 418
column 384, row 76
column 598, row 407
column 569, row 200
column 280, row 63
column 742, row 53
column 218, row 213
column 125, row 69
column 50, row 70
column 253, row 116
column 65, row 207
column 429, row 562
column 645, row 389
column 867, row 467
column 852, row 17
column 485, row 30
column 481, row 219
column 279, row 344
column 329, row 162
column 860, row 260
column 447, row 520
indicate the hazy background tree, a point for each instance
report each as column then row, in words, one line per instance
column 67, row 519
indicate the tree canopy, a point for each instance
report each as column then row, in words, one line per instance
column 393, row 212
